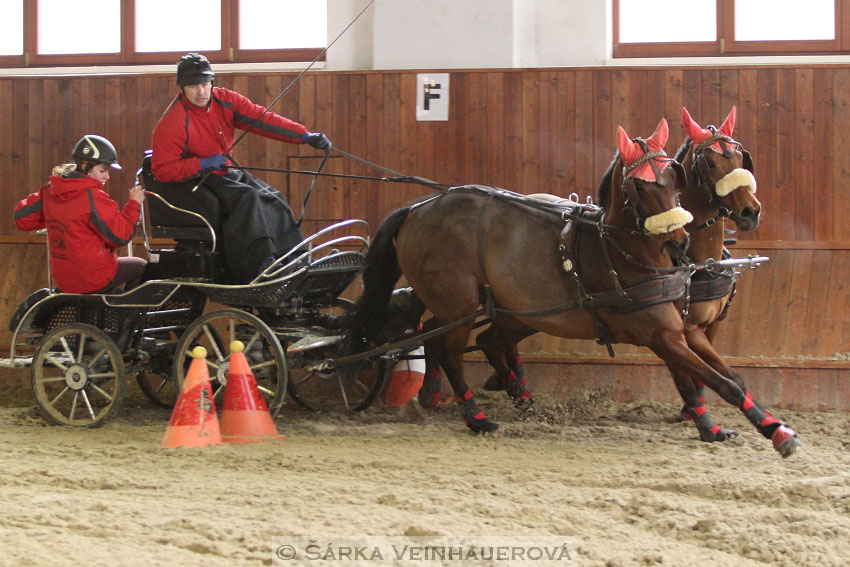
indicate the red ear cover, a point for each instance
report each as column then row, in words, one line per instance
column 631, row 151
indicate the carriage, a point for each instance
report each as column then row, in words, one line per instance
column 81, row 348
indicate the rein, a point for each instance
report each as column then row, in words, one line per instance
column 294, row 82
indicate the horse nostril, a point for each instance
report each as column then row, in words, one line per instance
column 677, row 249
column 747, row 212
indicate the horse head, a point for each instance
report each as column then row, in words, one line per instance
column 649, row 185
column 723, row 169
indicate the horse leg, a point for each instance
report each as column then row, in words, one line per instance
column 500, row 347
column 431, row 392
column 671, row 346
column 453, row 345
column 496, row 357
column 694, row 408
column 700, row 342
column 692, row 337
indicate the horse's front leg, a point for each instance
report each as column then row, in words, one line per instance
column 694, row 408
column 701, row 343
column 672, row 347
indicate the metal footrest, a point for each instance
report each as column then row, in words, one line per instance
column 17, row 362
column 314, row 341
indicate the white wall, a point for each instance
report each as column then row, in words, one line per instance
column 561, row 33
column 460, row 34
column 442, row 33
column 354, row 48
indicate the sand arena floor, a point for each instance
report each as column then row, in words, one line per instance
column 633, row 486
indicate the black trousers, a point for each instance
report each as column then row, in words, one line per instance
column 258, row 226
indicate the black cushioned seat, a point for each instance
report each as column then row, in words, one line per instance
column 194, row 256
column 168, row 223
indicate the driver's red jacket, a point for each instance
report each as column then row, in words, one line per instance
column 85, row 228
column 186, row 132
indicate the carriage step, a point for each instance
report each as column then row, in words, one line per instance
column 313, row 341
column 17, row 362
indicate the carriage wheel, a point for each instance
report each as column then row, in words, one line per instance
column 78, row 376
column 157, row 383
column 349, row 388
column 215, row 331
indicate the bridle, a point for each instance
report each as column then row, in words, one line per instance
column 631, row 196
column 701, row 168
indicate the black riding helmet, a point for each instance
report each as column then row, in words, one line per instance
column 96, row 149
column 194, row 69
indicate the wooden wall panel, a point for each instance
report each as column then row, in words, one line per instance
column 549, row 130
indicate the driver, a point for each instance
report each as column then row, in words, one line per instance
column 190, row 143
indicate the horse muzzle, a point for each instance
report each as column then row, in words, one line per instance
column 747, row 218
column 678, row 248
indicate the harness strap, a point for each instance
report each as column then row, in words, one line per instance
column 414, row 338
column 489, row 303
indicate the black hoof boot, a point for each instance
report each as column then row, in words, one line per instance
column 473, row 416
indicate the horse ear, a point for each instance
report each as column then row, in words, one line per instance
column 628, row 149
column 694, row 131
column 659, row 138
column 748, row 161
column 681, row 175
column 729, row 123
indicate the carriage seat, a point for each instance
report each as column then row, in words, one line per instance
column 194, row 256
column 168, row 223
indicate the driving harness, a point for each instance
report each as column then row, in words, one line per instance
column 666, row 285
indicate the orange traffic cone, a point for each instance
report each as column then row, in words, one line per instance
column 244, row 415
column 193, row 422
column 406, row 380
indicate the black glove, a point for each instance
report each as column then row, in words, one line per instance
column 317, row 140
column 215, row 161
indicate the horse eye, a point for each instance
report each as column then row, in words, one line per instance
column 710, row 164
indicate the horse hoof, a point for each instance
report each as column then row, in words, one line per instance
column 785, row 441
column 430, row 394
column 718, row 436
column 725, row 434
column 685, row 415
column 524, row 404
column 493, row 384
column 482, row 425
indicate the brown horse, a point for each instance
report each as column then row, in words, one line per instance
column 582, row 272
column 720, row 185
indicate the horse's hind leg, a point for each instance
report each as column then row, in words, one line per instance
column 450, row 355
column 500, row 347
column 431, row 392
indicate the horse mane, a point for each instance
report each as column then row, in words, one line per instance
column 683, row 150
column 604, row 191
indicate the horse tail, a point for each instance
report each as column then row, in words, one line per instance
column 380, row 274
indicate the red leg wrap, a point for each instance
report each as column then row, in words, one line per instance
column 768, row 420
column 466, row 396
